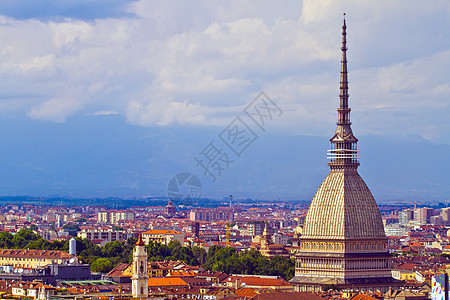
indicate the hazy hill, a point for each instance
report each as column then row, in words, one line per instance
column 104, row 156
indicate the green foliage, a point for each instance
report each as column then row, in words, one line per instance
column 250, row 262
column 199, row 255
column 103, row 265
column 71, row 227
column 88, row 251
column 103, row 259
column 328, row 287
column 6, row 240
column 33, row 227
column 23, row 237
column 174, row 251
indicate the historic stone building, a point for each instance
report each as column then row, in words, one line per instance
column 343, row 243
column 24, row 258
column 139, row 277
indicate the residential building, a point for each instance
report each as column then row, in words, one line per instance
column 405, row 216
column 422, row 215
column 163, row 236
column 19, row 258
column 211, row 214
column 104, row 234
column 255, row 227
column 114, row 217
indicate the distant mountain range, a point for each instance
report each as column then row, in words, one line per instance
column 103, row 156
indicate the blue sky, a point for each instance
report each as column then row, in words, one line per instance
column 197, row 64
column 46, row 10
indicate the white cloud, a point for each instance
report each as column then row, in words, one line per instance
column 196, row 63
column 105, row 113
column 55, row 109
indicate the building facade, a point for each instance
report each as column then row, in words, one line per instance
column 114, row 217
column 343, row 241
column 108, row 235
column 22, row 258
column 211, row 214
column 162, row 236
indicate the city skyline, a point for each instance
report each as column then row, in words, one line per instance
column 162, row 68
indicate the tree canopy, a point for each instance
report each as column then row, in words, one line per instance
column 103, row 259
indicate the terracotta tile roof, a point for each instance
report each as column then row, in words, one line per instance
column 248, row 292
column 177, row 273
column 363, row 297
column 287, row 296
column 406, row 266
column 166, row 282
column 258, row 281
column 48, row 254
column 118, row 270
column 160, row 231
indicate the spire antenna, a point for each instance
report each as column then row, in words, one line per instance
column 343, row 153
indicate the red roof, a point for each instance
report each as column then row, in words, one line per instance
column 140, row 242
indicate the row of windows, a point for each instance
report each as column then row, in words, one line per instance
column 354, row 246
column 23, row 259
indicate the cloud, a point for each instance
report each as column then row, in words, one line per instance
column 196, row 63
column 105, row 113
column 57, row 109
column 166, row 112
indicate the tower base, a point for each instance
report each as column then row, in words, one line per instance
column 318, row 284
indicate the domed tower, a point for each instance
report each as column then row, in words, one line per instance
column 170, row 209
column 343, row 241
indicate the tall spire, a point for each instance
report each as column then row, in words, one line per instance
column 344, row 111
column 343, row 153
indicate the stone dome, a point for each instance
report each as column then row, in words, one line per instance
column 343, row 208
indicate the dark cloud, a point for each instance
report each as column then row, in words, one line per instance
column 56, row 9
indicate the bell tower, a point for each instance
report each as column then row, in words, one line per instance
column 140, row 276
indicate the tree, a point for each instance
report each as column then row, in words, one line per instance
column 102, row 265
column 328, row 287
column 157, row 251
column 113, row 249
column 250, row 262
column 199, row 254
column 87, row 250
column 40, row 244
column 6, row 240
column 23, row 237
column 33, row 227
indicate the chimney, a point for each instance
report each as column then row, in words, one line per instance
column 237, row 283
